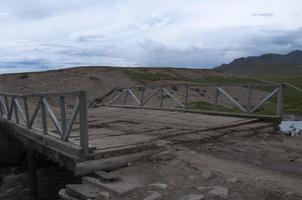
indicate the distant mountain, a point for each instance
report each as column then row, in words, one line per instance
column 266, row 64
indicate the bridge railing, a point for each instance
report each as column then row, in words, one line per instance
column 244, row 98
column 38, row 112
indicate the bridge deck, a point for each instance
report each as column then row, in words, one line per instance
column 113, row 128
column 63, row 128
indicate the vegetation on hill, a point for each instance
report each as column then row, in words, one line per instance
column 266, row 64
column 292, row 97
column 144, row 75
column 99, row 80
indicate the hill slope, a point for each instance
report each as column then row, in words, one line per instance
column 266, row 64
column 97, row 81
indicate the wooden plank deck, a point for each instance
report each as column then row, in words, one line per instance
column 116, row 135
column 111, row 128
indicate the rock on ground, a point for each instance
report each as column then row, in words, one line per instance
column 219, row 191
column 192, row 197
column 154, row 195
column 163, row 156
column 162, row 186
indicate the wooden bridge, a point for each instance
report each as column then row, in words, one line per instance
column 131, row 122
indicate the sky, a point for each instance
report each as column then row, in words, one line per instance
column 50, row 34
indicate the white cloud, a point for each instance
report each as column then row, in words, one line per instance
column 186, row 33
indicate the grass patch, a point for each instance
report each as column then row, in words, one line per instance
column 292, row 98
column 201, row 105
column 144, row 75
column 141, row 75
column 268, row 108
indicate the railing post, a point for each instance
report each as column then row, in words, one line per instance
column 249, row 99
column 43, row 115
column 126, row 97
column 216, row 99
column 83, row 123
column 142, row 97
column 16, row 110
column 63, row 115
column 1, row 108
column 186, row 96
column 279, row 110
column 6, row 105
column 161, row 97
column 26, row 112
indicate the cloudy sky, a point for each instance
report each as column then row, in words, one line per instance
column 48, row 34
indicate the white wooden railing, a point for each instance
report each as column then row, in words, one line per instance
column 17, row 109
column 120, row 96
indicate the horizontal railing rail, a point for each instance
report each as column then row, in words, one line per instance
column 162, row 92
column 15, row 108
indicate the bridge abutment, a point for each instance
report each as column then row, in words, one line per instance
column 11, row 149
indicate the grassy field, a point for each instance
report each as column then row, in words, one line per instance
column 292, row 97
column 142, row 75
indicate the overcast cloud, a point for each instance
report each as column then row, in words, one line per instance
column 39, row 35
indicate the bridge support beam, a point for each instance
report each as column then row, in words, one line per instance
column 32, row 173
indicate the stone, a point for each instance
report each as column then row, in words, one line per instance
column 204, row 189
column 219, row 191
column 233, row 180
column 163, row 156
column 192, row 153
column 119, row 187
column 292, row 195
column 162, row 186
column 192, row 197
column 106, row 177
column 194, row 166
column 154, row 195
column 258, row 163
column 216, row 191
column 64, row 196
column 206, row 174
column 179, row 148
column 103, row 195
column 82, row 191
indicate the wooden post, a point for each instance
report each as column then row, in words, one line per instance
column 15, row 110
column 126, row 97
column 11, row 109
column 161, row 97
column 26, row 112
column 63, row 115
column 43, row 115
column 142, row 97
column 216, row 99
column 186, row 96
column 83, row 123
column 1, row 109
column 249, row 99
column 6, row 105
column 279, row 110
column 32, row 173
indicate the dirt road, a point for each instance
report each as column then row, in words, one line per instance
column 249, row 167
